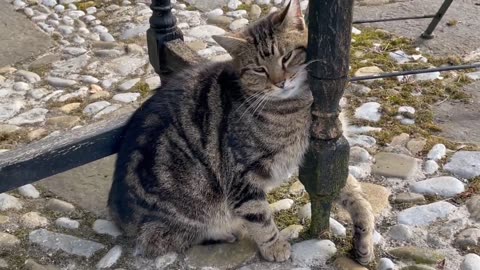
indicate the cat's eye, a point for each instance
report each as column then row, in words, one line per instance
column 287, row 57
column 261, row 70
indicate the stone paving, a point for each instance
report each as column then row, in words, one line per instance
column 424, row 194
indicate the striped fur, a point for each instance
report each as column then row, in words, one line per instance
column 199, row 156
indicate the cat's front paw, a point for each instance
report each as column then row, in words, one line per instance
column 364, row 247
column 277, row 252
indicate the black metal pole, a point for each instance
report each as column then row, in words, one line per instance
column 162, row 29
column 428, row 34
column 325, row 169
column 394, row 19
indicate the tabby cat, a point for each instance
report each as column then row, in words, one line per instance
column 199, row 156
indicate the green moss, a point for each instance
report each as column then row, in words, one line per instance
column 142, row 88
column 42, row 70
column 84, row 5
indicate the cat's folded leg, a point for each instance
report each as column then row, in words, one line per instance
column 353, row 200
column 261, row 227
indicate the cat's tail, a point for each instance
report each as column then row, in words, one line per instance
column 353, row 200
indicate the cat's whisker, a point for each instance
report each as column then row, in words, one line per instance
column 248, row 99
column 253, row 104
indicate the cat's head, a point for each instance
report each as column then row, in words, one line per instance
column 270, row 54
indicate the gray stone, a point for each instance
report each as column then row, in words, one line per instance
column 204, row 5
column 67, row 223
column 49, row 3
column 362, row 140
column 394, row 165
column 7, row 110
column 400, row 232
column 416, row 145
column 358, row 89
column 255, row 12
column 127, row 65
column 66, row 243
column 238, row 24
column 59, row 8
column 127, row 85
column 408, row 197
column 102, row 226
column 312, row 252
column 417, row 255
column 474, row 75
column 163, row 261
column 75, row 51
column 219, row 20
column 63, row 121
column 33, row 220
column 468, row 238
column 3, row 264
column 385, row 264
column 368, row 71
column 134, row 32
column 272, row 266
column 426, row 76
column 8, row 241
column 238, row 14
column 66, row 30
column 107, row 37
column 205, row 32
column 73, row 65
column 93, row 108
column 445, row 186
column 473, row 205
column 369, row 111
column 29, row 76
column 193, row 18
column 32, row 116
column 470, row 262
column 360, row 172
column 464, row 164
column 110, row 258
column 425, row 214
column 437, row 152
column 337, row 228
column 60, row 82
column 60, row 206
column 223, row 256
column 108, row 53
column 297, row 188
column 107, row 110
column 430, row 166
column 29, row 191
column 153, row 82
column 88, row 79
column 400, row 57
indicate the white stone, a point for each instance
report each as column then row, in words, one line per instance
column 100, row 29
column 91, row 10
column 49, row 3
column 8, row 202
column 18, row 4
column 369, row 111
column 427, row 76
column 237, row 14
column 29, row 191
column 7, row 110
column 262, row 2
column 32, row 116
column 464, row 164
column 305, row 212
column 312, row 252
column 238, row 24
column 280, row 205
column 110, row 258
column 60, row 82
column 291, row 232
column 102, row 226
column 359, row 172
column 474, row 75
column 126, row 97
column 445, row 186
column 233, row 4
column 337, row 228
column 75, row 14
column 385, row 264
column 88, row 79
column 425, row 214
column 430, row 167
column 407, row 121
column 205, row 32
column 359, row 155
column 67, row 223
column 362, row 140
column 33, row 220
column 21, row 86
column 107, row 37
column 437, row 152
column 470, row 262
column 193, row 18
column 377, row 238
column 215, row 13
column 356, row 31
column 400, row 57
column 66, row 243
column 406, row 109
column 75, row 51
column 153, row 82
column 127, row 85
column 59, row 205
column 95, row 107
column 59, row 8
column 29, row 76
column 165, row 260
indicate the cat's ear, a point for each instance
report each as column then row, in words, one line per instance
column 231, row 44
column 291, row 16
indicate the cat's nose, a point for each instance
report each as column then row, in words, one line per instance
column 280, row 84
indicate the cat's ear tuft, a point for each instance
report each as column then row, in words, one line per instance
column 291, row 16
column 230, row 43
